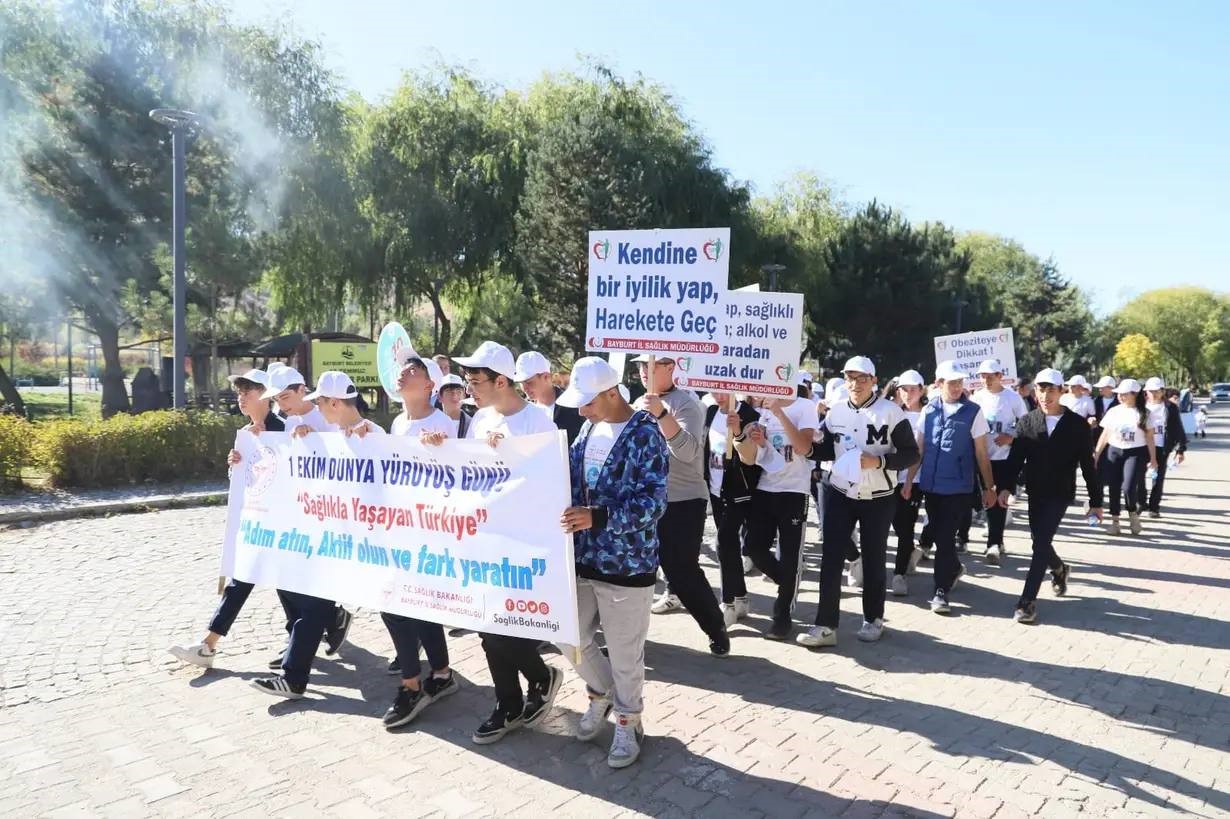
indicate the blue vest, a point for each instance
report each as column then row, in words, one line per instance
column 948, row 455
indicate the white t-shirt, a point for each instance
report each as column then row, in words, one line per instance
column 529, row 420
column 1157, row 423
column 717, row 454
column 1052, row 421
column 1083, row 406
column 436, row 422
column 1002, row 410
column 1124, row 425
column 598, row 445
column 978, row 427
column 795, row 472
column 315, row 419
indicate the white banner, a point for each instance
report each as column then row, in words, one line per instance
column 762, row 337
column 656, row 291
column 460, row 534
column 971, row 349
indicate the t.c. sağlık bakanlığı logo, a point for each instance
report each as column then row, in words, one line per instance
column 784, row 371
column 684, row 363
column 260, row 472
column 712, row 249
column 602, row 249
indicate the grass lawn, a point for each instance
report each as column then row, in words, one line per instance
column 53, row 403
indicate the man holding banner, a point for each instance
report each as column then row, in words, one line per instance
column 619, row 489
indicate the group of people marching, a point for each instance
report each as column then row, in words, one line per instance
column 645, row 475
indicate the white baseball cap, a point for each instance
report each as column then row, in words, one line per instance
column 623, row 392
column 492, row 356
column 991, row 366
column 530, row 364
column 1155, row 383
column 333, row 384
column 835, row 394
column 1049, row 376
column 591, row 376
column 255, row 376
column 644, row 358
column 1106, row 381
column 282, row 378
column 1128, row 385
column 950, row 371
column 451, row 380
column 859, row 364
column 1078, row 381
column 910, row 378
column 803, row 378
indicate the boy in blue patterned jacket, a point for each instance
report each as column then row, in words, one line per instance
column 618, row 464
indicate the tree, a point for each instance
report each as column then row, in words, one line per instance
column 94, row 173
column 1190, row 325
column 609, row 154
column 1137, row 356
column 888, row 290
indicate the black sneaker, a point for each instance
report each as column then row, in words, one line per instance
column 496, row 726
column 279, row 687
column 394, row 667
column 939, row 603
column 336, row 634
column 780, row 630
column 720, row 646
column 1059, row 580
column 541, row 697
column 440, row 687
column 408, row 705
column 276, row 663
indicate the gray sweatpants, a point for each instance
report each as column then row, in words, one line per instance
column 623, row 614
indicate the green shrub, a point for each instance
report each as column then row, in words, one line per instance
column 128, row 449
column 15, row 434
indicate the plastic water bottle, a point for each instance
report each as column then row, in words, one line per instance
column 1151, row 474
column 1092, row 520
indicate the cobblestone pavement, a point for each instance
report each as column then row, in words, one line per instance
column 1115, row 704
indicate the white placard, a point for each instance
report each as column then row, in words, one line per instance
column 457, row 534
column 969, row 350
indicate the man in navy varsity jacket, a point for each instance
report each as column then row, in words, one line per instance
column 870, row 440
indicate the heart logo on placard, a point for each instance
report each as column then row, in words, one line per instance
column 684, row 363
column 602, row 250
column 712, row 249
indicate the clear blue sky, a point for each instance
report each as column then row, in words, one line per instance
column 1094, row 131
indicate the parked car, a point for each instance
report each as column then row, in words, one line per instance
column 25, row 382
column 1219, row 392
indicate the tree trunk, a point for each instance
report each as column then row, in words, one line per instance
column 446, row 325
column 9, row 396
column 114, row 394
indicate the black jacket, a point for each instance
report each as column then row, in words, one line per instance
column 1050, row 461
column 1176, row 436
column 566, row 418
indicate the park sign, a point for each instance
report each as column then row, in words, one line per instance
column 969, row 350
column 761, row 339
column 656, row 291
column 356, row 359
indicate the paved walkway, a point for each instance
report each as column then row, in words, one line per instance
column 1115, row 704
column 31, row 505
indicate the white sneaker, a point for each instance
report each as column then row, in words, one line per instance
column 856, row 573
column 198, row 655
column 594, row 718
column 900, row 587
column 626, row 744
column 870, row 632
column 1008, row 519
column 992, row 556
column 748, row 565
column 742, row 607
column 666, row 603
column 817, row 637
column 916, row 557
column 729, row 617
column 1114, row 528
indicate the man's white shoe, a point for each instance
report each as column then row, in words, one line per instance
column 817, row 637
column 870, row 632
column 992, row 556
column 742, row 609
column 594, row 718
column 666, row 603
column 916, row 557
column 900, row 587
column 856, row 573
column 748, row 565
column 199, row 655
column 729, row 617
column 626, row 744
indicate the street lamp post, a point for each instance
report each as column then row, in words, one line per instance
column 772, row 270
column 179, row 122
